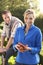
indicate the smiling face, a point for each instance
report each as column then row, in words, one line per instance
column 6, row 17
column 28, row 19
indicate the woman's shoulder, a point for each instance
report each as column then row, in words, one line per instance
column 20, row 28
column 37, row 29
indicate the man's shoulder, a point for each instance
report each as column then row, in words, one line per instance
column 17, row 20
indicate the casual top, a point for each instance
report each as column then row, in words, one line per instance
column 33, row 39
column 9, row 29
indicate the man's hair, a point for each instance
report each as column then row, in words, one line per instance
column 5, row 12
column 29, row 11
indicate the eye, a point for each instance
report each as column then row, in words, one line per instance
column 7, row 17
column 26, row 18
column 30, row 18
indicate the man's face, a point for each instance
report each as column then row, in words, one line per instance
column 28, row 19
column 6, row 17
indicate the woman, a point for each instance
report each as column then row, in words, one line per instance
column 27, row 41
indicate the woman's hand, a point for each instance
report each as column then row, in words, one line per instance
column 22, row 48
column 19, row 47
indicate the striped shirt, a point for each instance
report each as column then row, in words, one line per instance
column 10, row 29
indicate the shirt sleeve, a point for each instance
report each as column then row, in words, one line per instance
column 3, row 32
column 38, row 42
column 14, row 30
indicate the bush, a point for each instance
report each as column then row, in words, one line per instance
column 18, row 12
column 39, row 22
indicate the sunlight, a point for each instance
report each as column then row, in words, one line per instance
column 41, row 6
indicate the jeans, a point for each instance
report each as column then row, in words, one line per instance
column 9, row 53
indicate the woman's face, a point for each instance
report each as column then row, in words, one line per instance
column 28, row 19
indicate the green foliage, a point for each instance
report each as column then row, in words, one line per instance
column 1, row 27
column 12, row 60
column 17, row 7
column 41, row 55
column 18, row 12
column 39, row 22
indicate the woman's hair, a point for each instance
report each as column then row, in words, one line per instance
column 29, row 11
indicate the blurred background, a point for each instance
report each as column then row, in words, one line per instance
column 17, row 8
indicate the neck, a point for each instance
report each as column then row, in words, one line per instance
column 27, row 28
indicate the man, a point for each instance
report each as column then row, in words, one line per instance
column 10, row 25
column 28, row 41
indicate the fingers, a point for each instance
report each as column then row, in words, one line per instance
column 22, row 48
column 21, row 45
column 17, row 46
column 2, row 50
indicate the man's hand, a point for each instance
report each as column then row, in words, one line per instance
column 2, row 50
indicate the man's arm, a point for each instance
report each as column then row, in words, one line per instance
column 2, row 40
column 9, row 43
column 12, row 35
column 3, row 35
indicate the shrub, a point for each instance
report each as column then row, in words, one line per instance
column 39, row 22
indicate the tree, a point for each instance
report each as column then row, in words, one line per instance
column 17, row 7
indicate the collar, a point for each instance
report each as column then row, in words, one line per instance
column 30, row 27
